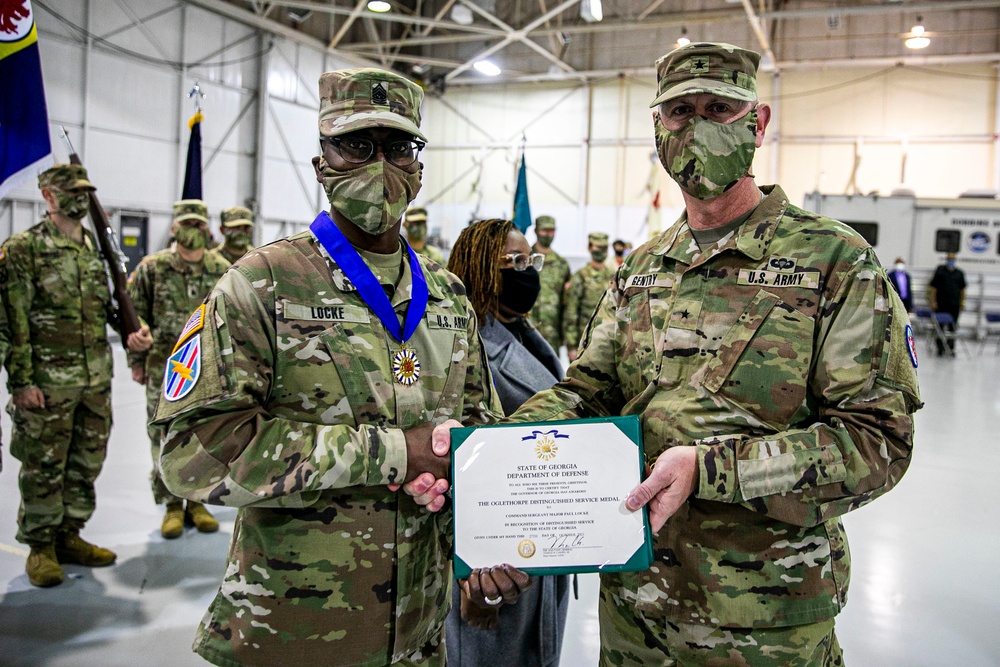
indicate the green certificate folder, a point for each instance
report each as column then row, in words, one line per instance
column 549, row 497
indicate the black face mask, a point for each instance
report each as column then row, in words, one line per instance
column 520, row 289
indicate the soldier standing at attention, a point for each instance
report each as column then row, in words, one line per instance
column 415, row 224
column 166, row 287
column 237, row 233
column 55, row 285
column 586, row 288
column 768, row 359
column 547, row 315
column 324, row 361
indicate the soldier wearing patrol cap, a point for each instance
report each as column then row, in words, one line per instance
column 165, row 287
column 773, row 369
column 308, row 389
column 585, row 290
column 237, row 233
column 415, row 224
column 547, row 315
column 54, row 283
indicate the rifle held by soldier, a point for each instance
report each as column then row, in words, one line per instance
column 114, row 259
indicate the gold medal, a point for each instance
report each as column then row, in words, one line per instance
column 405, row 366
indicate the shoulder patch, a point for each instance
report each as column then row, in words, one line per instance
column 194, row 324
column 3, row 254
column 911, row 345
column 183, row 370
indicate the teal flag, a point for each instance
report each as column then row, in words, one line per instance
column 522, row 210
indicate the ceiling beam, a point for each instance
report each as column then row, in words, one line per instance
column 358, row 8
column 522, row 37
column 758, row 30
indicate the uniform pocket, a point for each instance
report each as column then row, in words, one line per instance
column 763, row 363
column 639, row 343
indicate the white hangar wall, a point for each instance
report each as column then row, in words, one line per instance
column 117, row 75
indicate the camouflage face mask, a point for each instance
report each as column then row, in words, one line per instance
column 599, row 255
column 191, row 238
column 238, row 239
column 73, row 205
column 373, row 197
column 707, row 158
column 416, row 232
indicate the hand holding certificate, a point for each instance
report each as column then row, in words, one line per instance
column 549, row 498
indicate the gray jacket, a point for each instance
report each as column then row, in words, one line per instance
column 519, row 370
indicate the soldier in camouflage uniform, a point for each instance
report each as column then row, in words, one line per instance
column 309, row 412
column 415, row 224
column 4, row 343
column 547, row 315
column 772, row 366
column 585, row 290
column 55, row 284
column 165, row 287
column 237, row 233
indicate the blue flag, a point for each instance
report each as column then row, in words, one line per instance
column 522, row 210
column 25, row 149
column 192, row 170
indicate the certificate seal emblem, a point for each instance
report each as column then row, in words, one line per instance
column 526, row 549
column 405, row 366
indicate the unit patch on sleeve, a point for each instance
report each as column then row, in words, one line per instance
column 183, row 370
column 193, row 325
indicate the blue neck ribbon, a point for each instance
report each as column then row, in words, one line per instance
column 347, row 258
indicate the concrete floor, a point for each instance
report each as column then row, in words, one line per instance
column 924, row 591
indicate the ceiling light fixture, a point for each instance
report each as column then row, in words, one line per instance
column 917, row 39
column 487, row 67
column 379, row 6
column 683, row 39
column 461, row 15
column 591, row 11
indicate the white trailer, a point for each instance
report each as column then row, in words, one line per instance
column 922, row 232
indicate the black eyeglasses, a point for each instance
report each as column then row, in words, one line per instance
column 358, row 150
column 522, row 261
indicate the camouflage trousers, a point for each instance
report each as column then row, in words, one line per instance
column 629, row 639
column 61, row 449
column 161, row 494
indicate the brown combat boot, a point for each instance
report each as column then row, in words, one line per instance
column 71, row 548
column 197, row 516
column 43, row 567
column 173, row 521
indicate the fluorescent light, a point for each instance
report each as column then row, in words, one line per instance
column 487, row 67
column 591, row 10
column 379, row 6
column 683, row 39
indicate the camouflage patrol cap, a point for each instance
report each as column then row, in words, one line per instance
column 65, row 177
column 236, row 216
column 190, row 209
column 598, row 239
column 353, row 99
column 415, row 214
column 545, row 222
column 707, row 67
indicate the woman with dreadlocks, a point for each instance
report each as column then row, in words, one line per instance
column 494, row 261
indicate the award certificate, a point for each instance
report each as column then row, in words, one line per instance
column 549, row 498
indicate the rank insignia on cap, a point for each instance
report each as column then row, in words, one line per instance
column 380, row 95
column 193, row 325
column 911, row 345
column 699, row 64
column 183, row 370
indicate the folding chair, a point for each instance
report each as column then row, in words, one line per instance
column 924, row 326
column 946, row 331
column 992, row 329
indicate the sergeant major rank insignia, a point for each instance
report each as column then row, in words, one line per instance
column 380, row 95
